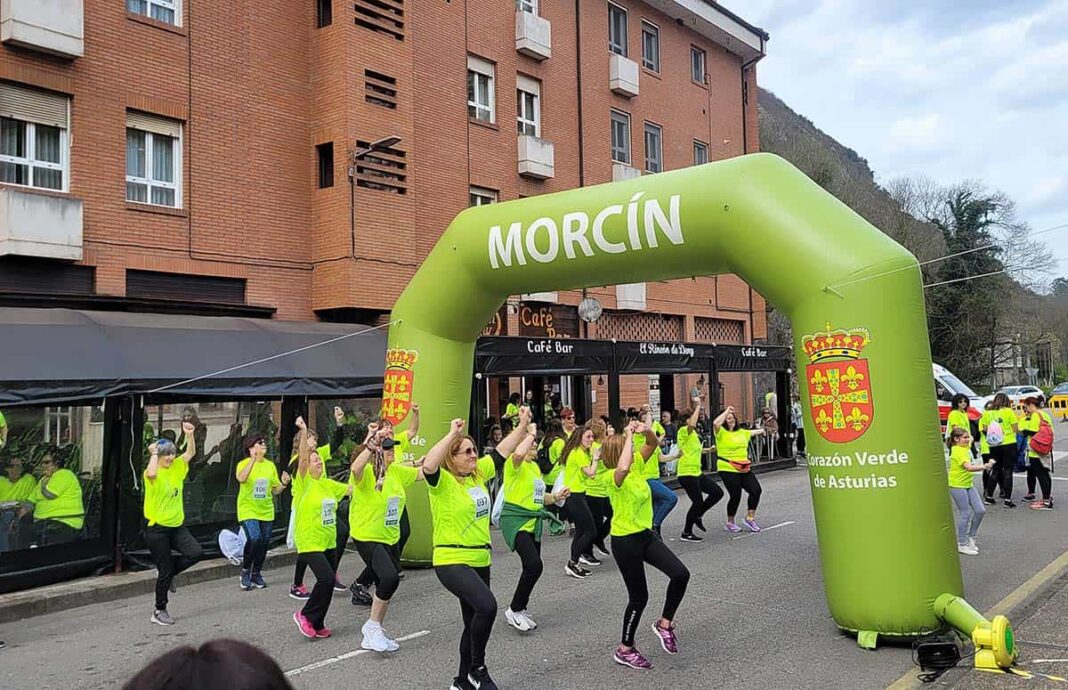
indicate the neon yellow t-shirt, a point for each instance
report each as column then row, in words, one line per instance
column 957, row 418
column 163, row 495
column 19, row 490
column 690, row 447
column 632, row 505
column 316, row 515
column 1031, row 423
column 374, row 516
column 66, row 507
column 524, row 487
column 984, row 422
column 574, row 478
column 960, row 478
column 460, row 510
column 597, row 485
column 511, row 412
column 555, row 448
column 731, row 445
column 255, row 497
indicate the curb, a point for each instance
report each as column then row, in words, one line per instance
column 103, row 588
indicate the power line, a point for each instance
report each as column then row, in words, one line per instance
column 964, row 279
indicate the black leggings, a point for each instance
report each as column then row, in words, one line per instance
column 585, row 531
column 1001, row 474
column 601, row 510
column 478, row 608
column 529, row 550
column 367, row 576
column 699, row 505
column 632, row 552
column 735, row 482
column 161, row 541
column 322, row 564
column 1036, row 470
column 384, row 568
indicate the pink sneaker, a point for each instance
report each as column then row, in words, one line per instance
column 304, row 625
column 667, row 638
column 632, row 658
column 324, row 633
column 751, row 524
column 731, row 527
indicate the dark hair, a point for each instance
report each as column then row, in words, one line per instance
column 737, row 424
column 217, row 665
column 1001, row 400
column 252, row 439
column 1033, row 400
column 554, row 431
column 957, row 400
column 514, row 398
column 574, row 441
column 170, row 435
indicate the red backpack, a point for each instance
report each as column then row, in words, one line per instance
column 1042, row 441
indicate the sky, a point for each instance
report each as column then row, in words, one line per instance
column 950, row 89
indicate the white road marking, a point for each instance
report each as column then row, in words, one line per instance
column 750, row 534
column 347, row 655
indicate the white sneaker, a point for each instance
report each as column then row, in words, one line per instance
column 528, row 619
column 967, row 550
column 391, row 645
column 374, row 638
column 974, row 544
column 516, row 620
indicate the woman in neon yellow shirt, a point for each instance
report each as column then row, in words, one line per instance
column 1036, row 468
column 703, row 492
column 379, row 492
column 732, row 449
column 958, row 416
column 1004, row 453
column 579, row 468
column 460, row 511
column 165, row 529
column 970, row 509
column 315, row 534
column 634, row 544
column 259, row 483
column 597, row 495
column 16, row 488
column 58, row 512
column 524, row 488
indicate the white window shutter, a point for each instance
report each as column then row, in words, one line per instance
column 153, row 123
column 33, row 105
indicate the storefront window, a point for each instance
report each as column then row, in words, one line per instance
column 51, row 466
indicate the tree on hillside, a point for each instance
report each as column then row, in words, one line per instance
column 1059, row 288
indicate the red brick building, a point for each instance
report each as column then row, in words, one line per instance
column 212, row 157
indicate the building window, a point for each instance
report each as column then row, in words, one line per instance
column 153, row 160
column 164, row 10
column 33, row 138
column 480, row 196
column 324, row 13
column 528, row 105
column 620, row 137
column 617, row 29
column 697, row 65
column 700, row 153
column 650, row 46
column 527, row 6
column 654, row 148
column 480, row 99
column 325, row 155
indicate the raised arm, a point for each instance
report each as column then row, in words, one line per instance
column 590, row 470
column 190, row 441
column 152, row 471
column 524, row 445
column 436, row 455
column 652, row 441
column 626, row 459
column 510, row 442
column 413, row 424
column 303, row 452
column 717, row 423
column 364, row 456
column 337, row 437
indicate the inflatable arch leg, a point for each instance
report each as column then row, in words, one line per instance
column 855, row 297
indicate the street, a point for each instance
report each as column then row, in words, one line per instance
column 754, row 617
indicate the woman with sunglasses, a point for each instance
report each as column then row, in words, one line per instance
column 460, row 512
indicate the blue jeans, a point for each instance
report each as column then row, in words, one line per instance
column 664, row 500
column 259, row 538
column 8, row 530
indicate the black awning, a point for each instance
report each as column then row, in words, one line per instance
column 648, row 357
column 753, row 358
column 52, row 355
column 509, row 356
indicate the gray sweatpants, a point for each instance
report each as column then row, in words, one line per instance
column 970, row 512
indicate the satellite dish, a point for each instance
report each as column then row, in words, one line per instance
column 589, row 309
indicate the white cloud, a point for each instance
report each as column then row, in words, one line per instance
column 921, row 133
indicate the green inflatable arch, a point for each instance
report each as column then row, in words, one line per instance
column 854, row 296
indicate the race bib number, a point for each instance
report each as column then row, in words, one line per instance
column 481, row 500
column 539, row 492
column 393, row 511
column 329, row 512
column 259, row 489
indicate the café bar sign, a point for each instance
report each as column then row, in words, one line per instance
column 548, row 320
column 673, row 349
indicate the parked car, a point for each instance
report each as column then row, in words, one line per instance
column 1018, row 393
column 946, row 386
column 1058, row 401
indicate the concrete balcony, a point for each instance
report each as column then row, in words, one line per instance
column 536, row 157
column 41, row 225
column 623, row 76
column 631, row 296
column 533, row 36
column 622, row 171
column 48, row 26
